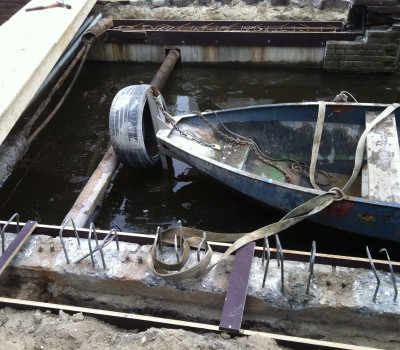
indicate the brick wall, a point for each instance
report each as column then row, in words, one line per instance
column 377, row 52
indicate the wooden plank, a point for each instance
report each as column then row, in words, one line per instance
column 232, row 312
column 93, row 190
column 145, row 322
column 383, row 156
column 31, row 43
column 16, row 244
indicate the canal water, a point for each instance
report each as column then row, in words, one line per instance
column 46, row 183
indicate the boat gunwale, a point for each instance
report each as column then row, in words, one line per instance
column 285, row 104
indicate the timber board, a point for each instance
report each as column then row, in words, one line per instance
column 31, row 44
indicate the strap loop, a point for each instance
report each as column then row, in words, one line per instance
column 193, row 238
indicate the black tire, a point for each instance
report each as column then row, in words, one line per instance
column 131, row 129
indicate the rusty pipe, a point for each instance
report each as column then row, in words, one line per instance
column 165, row 70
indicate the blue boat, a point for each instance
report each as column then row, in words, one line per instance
column 281, row 155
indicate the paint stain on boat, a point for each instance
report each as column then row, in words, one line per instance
column 366, row 218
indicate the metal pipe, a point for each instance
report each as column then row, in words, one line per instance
column 83, row 28
column 65, row 57
column 165, row 70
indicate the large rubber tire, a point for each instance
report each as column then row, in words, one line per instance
column 131, row 129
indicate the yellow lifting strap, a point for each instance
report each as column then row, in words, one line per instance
column 193, row 238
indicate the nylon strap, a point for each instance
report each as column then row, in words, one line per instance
column 316, row 143
column 191, row 237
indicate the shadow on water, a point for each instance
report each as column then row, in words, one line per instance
column 48, row 180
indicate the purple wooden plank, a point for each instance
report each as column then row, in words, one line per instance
column 16, row 244
column 232, row 313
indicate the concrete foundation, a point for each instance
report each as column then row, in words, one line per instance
column 339, row 299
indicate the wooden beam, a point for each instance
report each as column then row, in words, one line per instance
column 145, row 322
column 31, row 44
column 93, row 190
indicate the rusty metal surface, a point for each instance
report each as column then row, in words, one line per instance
column 165, row 70
column 235, row 299
column 16, row 244
column 255, row 26
column 227, row 33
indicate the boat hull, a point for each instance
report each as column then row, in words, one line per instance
column 366, row 217
column 281, row 155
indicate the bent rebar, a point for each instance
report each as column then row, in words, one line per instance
column 378, row 281
column 156, row 243
column 266, row 244
column 176, row 248
column 391, row 272
column 279, row 258
column 3, row 230
column 160, row 244
column 62, row 240
column 107, row 240
column 311, row 268
column 200, row 245
column 180, row 234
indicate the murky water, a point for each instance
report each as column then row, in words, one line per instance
column 49, row 178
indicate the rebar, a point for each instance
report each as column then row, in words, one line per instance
column 266, row 244
column 62, row 240
column 176, row 248
column 279, row 258
column 200, row 245
column 378, row 281
column 311, row 267
column 107, row 240
column 211, row 27
column 391, row 272
column 3, row 230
